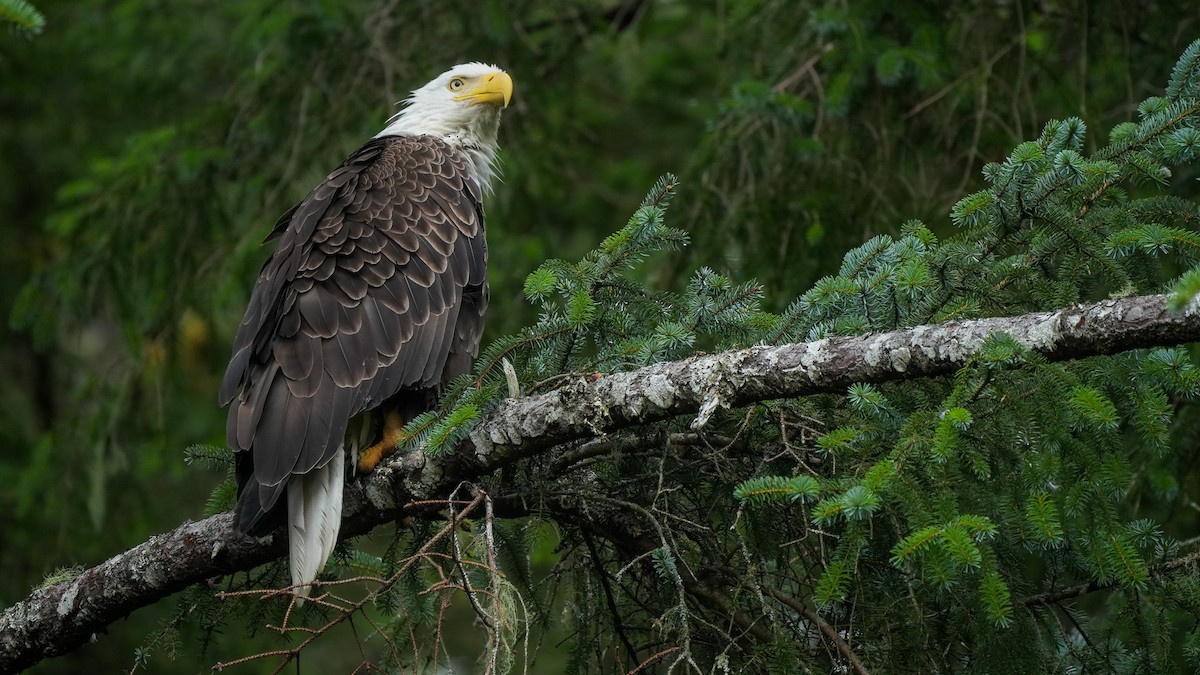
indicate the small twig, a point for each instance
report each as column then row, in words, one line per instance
column 493, row 575
column 827, row 630
column 1078, row 628
column 351, row 608
column 254, row 657
column 366, row 661
column 589, row 541
column 458, row 563
column 1053, row 597
column 417, row 504
column 652, row 659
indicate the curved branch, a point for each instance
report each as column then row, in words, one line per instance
column 700, row 384
column 830, row 633
column 56, row 619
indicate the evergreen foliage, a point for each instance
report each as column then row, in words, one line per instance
column 1017, row 517
column 1015, row 474
column 22, row 16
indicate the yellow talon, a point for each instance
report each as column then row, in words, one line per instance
column 393, row 431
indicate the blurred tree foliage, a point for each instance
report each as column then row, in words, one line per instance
column 147, row 147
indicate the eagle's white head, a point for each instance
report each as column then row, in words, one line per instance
column 461, row 106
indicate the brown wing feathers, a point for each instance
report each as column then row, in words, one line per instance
column 360, row 301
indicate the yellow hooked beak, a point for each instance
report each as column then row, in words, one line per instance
column 496, row 88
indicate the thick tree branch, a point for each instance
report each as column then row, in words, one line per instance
column 700, row 384
column 59, row 618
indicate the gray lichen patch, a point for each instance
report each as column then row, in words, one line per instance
column 152, row 573
column 807, row 358
column 660, row 390
column 901, row 357
column 66, row 603
column 378, row 491
column 619, row 391
column 706, row 410
column 1043, row 335
column 959, row 342
column 917, row 342
column 706, row 384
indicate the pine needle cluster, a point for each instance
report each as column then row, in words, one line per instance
column 22, row 16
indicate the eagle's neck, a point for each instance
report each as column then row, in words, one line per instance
column 473, row 135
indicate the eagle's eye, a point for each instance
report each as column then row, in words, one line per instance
column 456, row 84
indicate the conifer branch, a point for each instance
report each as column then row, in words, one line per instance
column 830, row 633
column 22, row 16
column 56, row 619
column 1071, row 592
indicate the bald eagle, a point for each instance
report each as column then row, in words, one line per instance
column 372, row 301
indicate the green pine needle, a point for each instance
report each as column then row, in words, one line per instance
column 775, row 489
column 22, row 16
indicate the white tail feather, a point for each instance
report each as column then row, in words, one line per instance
column 314, row 518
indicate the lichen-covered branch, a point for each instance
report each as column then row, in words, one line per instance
column 701, row 384
column 56, row 619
